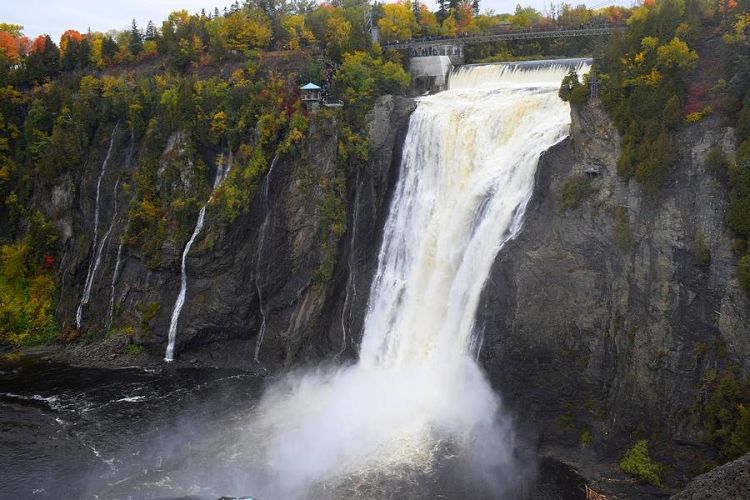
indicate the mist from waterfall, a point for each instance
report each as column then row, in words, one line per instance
column 417, row 398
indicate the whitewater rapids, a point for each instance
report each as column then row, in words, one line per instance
column 417, row 395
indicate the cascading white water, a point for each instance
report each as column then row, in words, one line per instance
column 96, row 257
column 222, row 170
column 351, row 283
column 259, row 256
column 115, row 273
column 467, row 174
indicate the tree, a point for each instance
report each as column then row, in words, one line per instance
column 44, row 60
column 135, row 45
column 475, row 7
column 676, row 55
column 398, row 22
column 109, row 49
column 454, row 6
column 442, row 13
column 338, row 30
column 150, row 31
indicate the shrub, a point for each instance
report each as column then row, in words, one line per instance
column 622, row 228
column 587, row 439
column 133, row 349
column 743, row 272
column 638, row 463
column 573, row 191
column 727, row 415
column 716, row 161
column 702, row 251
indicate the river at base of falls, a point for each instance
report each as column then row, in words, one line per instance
column 77, row 433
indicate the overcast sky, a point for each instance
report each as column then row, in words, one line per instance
column 55, row 16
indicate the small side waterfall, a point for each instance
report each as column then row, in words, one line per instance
column 417, row 399
column 115, row 274
column 259, row 256
column 222, row 170
column 97, row 250
column 351, row 283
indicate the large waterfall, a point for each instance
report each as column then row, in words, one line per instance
column 417, row 396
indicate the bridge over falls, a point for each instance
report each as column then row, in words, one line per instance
column 431, row 59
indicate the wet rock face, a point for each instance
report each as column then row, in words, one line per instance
column 731, row 480
column 603, row 314
column 262, row 264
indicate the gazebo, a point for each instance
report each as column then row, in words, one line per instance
column 310, row 94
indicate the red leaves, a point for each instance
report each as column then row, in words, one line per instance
column 48, row 260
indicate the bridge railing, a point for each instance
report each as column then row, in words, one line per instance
column 526, row 34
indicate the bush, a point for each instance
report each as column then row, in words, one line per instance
column 638, row 463
column 716, row 161
column 573, row 191
column 622, row 228
column 743, row 272
column 587, row 439
column 702, row 251
column 133, row 349
column 727, row 415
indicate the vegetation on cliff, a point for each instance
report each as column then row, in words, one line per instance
column 179, row 97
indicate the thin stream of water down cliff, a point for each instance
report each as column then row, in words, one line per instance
column 417, row 395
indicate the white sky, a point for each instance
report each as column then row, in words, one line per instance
column 55, row 16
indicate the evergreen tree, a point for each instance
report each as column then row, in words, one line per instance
column 454, row 6
column 417, row 14
column 475, row 7
column 109, row 48
column 442, row 13
column 150, row 31
column 135, row 46
column 216, row 12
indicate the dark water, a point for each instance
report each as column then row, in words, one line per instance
column 69, row 432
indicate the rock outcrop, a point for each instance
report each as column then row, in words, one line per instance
column 263, row 266
column 731, row 480
column 605, row 318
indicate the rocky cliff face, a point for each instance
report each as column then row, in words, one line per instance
column 262, row 267
column 606, row 317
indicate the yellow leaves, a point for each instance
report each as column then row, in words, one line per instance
column 676, row 54
column 13, row 261
column 299, row 35
column 242, row 31
column 398, row 22
column 649, row 43
column 26, row 302
column 219, row 123
column 338, row 30
column 740, row 27
column 652, row 78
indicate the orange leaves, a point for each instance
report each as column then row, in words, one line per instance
column 67, row 37
column 8, row 46
column 12, row 46
column 39, row 43
column 727, row 5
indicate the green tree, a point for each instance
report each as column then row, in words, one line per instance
column 135, row 45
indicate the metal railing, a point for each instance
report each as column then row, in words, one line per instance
column 526, row 34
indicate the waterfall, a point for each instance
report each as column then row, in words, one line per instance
column 417, row 398
column 222, row 171
column 351, row 284
column 258, row 257
column 115, row 273
column 96, row 256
